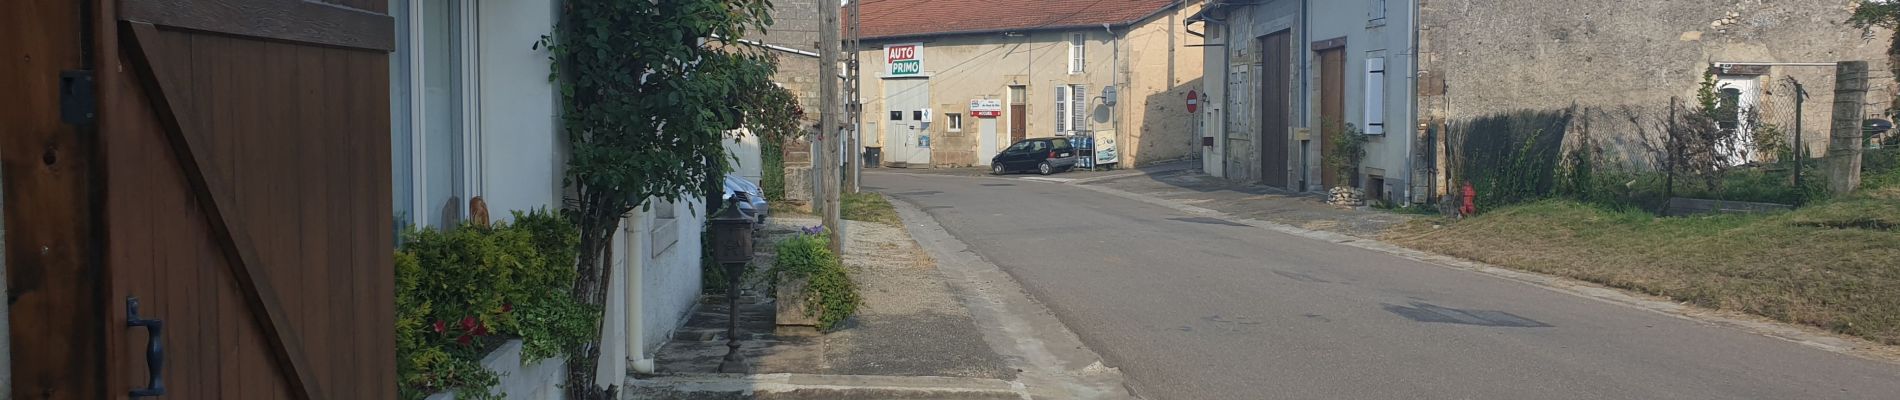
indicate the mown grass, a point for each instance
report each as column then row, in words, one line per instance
column 868, row 207
column 1834, row 264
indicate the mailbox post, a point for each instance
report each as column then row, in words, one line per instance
column 732, row 248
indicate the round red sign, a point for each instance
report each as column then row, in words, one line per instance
column 1193, row 101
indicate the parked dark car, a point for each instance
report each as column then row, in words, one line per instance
column 1043, row 155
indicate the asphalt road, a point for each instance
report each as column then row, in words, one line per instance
column 1199, row 308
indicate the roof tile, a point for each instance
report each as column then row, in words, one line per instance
column 892, row 18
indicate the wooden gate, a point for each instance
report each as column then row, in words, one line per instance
column 240, row 188
column 1276, row 110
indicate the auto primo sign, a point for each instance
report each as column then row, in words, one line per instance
column 904, row 59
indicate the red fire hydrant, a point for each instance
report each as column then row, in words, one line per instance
column 1470, row 205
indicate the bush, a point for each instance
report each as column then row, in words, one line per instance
column 461, row 291
column 1880, row 168
column 829, row 292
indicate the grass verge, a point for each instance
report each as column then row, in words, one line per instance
column 1834, row 264
column 868, row 207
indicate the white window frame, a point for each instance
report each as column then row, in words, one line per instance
column 466, row 41
column 1078, row 53
column 953, row 121
column 1071, row 109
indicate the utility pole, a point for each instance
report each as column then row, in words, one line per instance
column 854, row 99
column 829, row 136
column 1844, row 137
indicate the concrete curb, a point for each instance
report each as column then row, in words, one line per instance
column 1803, row 335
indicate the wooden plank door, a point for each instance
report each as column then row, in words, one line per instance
column 246, row 196
column 1332, row 106
column 1018, row 114
column 57, row 312
column 1276, row 96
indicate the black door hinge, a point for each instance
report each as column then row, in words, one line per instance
column 78, row 103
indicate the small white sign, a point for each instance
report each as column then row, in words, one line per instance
column 986, row 108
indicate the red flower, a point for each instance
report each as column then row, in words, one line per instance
column 464, row 340
column 480, row 330
column 468, row 323
column 507, row 308
column 439, row 326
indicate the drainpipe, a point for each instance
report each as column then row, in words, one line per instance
column 636, row 308
column 1226, row 94
column 1411, row 81
column 1115, row 79
column 1306, row 96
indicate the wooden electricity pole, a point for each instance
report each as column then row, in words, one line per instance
column 854, row 100
column 829, row 136
column 1844, row 137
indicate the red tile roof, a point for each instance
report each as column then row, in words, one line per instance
column 906, row 18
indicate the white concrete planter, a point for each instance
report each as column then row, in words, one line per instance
column 540, row 380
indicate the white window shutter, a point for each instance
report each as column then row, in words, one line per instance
column 1079, row 108
column 1375, row 97
column 1062, row 109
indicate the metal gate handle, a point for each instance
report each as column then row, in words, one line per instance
column 154, row 349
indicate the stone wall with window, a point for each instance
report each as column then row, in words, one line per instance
column 1485, row 57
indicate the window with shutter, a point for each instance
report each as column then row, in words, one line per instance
column 1077, row 52
column 1375, row 96
column 1062, row 109
column 1078, row 107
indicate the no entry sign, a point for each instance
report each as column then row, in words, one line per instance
column 1193, row 101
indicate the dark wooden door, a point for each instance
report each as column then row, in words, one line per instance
column 1332, row 106
column 1276, row 95
column 57, row 309
column 1018, row 122
column 245, row 149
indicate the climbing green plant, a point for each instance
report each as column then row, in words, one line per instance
column 830, row 294
column 1345, row 149
column 1870, row 14
column 648, row 91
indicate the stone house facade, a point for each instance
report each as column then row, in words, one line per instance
column 949, row 83
column 1478, row 58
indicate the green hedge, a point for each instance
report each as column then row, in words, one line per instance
column 463, row 291
column 830, row 294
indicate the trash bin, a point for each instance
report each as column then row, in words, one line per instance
column 872, row 156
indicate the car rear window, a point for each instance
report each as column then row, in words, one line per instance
column 1060, row 143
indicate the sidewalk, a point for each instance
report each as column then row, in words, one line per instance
column 1188, row 186
column 912, row 338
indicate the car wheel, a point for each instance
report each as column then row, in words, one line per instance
column 997, row 169
column 1045, row 168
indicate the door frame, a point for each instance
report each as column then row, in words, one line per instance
column 57, row 332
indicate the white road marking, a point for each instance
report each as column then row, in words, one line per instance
column 1047, row 179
